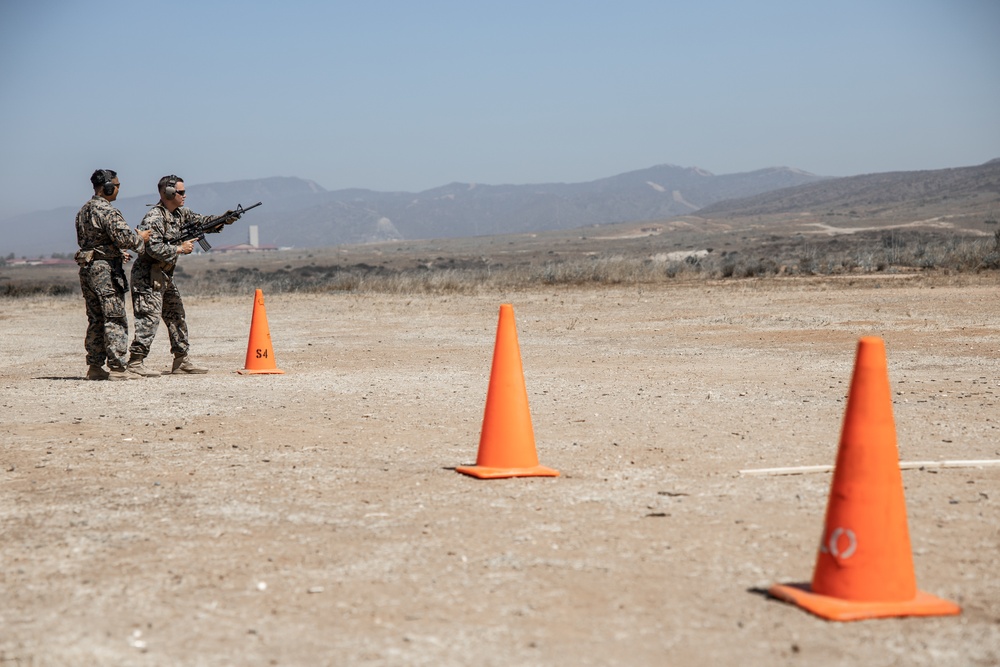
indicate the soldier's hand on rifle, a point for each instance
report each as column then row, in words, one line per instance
column 186, row 248
column 230, row 216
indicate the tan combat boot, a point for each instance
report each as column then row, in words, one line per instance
column 136, row 366
column 123, row 374
column 184, row 365
column 96, row 373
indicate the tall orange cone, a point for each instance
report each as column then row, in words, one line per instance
column 864, row 567
column 507, row 441
column 260, row 353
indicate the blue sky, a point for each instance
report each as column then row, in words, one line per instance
column 393, row 95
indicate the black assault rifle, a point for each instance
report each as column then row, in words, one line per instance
column 196, row 231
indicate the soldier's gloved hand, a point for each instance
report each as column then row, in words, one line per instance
column 230, row 217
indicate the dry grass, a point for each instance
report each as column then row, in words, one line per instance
column 882, row 253
column 521, row 262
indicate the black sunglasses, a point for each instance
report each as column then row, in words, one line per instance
column 181, row 192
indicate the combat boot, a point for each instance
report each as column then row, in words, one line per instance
column 136, row 366
column 96, row 373
column 122, row 374
column 184, row 365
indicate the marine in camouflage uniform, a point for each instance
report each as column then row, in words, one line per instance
column 154, row 294
column 103, row 236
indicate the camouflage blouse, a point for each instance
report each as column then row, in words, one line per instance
column 165, row 225
column 102, row 227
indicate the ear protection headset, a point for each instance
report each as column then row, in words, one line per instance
column 170, row 191
column 107, row 187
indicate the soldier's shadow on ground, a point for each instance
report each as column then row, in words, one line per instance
column 74, row 378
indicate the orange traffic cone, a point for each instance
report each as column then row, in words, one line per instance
column 864, row 568
column 260, row 354
column 507, row 441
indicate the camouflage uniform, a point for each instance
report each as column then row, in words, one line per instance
column 154, row 294
column 103, row 236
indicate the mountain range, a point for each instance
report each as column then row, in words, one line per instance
column 301, row 213
column 948, row 192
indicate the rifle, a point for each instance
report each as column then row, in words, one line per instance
column 196, row 231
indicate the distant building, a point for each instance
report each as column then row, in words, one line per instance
column 39, row 262
column 253, row 246
column 244, row 247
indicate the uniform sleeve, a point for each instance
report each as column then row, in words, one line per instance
column 196, row 218
column 119, row 232
column 158, row 248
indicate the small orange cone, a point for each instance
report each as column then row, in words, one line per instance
column 507, row 441
column 864, row 567
column 260, row 354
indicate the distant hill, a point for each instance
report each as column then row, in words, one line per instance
column 912, row 195
column 298, row 212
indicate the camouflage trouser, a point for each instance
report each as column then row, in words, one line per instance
column 103, row 285
column 149, row 305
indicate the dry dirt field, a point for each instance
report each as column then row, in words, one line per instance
column 315, row 518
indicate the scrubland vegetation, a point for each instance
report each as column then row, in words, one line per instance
column 882, row 252
column 885, row 252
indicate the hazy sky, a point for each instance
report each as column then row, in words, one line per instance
column 401, row 95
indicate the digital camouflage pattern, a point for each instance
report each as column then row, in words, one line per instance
column 103, row 236
column 154, row 295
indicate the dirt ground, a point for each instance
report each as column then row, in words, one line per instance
column 315, row 518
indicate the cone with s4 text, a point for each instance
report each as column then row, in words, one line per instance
column 507, row 441
column 864, row 567
column 260, row 352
